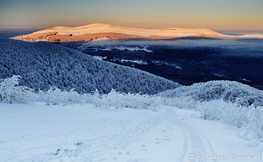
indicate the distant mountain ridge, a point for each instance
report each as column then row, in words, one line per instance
column 95, row 31
column 104, row 28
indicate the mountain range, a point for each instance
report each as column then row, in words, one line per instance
column 95, row 31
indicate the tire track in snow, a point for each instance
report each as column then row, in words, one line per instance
column 107, row 147
column 195, row 141
column 172, row 119
column 183, row 154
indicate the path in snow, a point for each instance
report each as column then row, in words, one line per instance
column 89, row 133
column 121, row 146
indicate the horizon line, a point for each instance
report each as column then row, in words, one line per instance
column 41, row 28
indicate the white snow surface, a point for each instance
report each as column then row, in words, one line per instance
column 38, row 132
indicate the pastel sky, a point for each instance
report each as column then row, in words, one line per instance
column 210, row 14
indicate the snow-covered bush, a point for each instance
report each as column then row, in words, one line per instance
column 55, row 96
column 229, row 91
column 11, row 92
column 227, row 112
column 255, row 118
column 180, row 102
column 240, row 105
column 248, row 119
column 122, row 100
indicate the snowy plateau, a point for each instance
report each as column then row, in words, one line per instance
column 108, row 93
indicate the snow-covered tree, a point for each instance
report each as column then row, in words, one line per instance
column 11, row 92
column 43, row 64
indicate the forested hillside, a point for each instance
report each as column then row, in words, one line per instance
column 43, row 64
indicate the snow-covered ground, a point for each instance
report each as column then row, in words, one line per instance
column 38, row 132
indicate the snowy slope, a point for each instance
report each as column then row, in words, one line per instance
column 44, row 64
column 88, row 133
